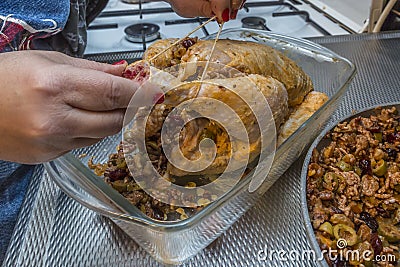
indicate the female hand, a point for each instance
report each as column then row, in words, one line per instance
column 223, row 9
column 51, row 103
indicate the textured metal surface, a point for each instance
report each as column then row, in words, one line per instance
column 54, row 230
column 115, row 57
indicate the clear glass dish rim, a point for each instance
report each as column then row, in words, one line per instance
column 193, row 220
column 304, row 207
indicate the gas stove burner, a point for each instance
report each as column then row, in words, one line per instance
column 142, row 32
column 257, row 23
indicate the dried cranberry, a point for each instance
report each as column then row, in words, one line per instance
column 129, row 73
column 117, row 174
column 138, row 72
column 188, row 42
column 376, row 244
column 158, row 98
column 365, row 166
column 369, row 221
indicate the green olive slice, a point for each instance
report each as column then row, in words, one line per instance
column 380, row 168
column 346, row 167
column 378, row 136
column 341, row 219
column 388, row 230
column 119, row 185
column 342, row 231
column 327, row 228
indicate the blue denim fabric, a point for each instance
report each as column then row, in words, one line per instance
column 14, row 181
column 38, row 14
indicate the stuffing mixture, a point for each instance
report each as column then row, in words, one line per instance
column 353, row 190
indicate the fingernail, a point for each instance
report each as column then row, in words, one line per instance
column 158, row 98
column 242, row 5
column 234, row 14
column 225, row 15
column 122, row 62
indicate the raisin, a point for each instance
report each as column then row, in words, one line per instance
column 365, row 166
column 188, row 43
column 357, row 120
column 369, row 221
column 117, row 174
column 374, row 129
column 158, row 214
column 190, row 211
column 376, row 244
column 382, row 212
column 391, row 153
column 173, row 216
column 392, row 137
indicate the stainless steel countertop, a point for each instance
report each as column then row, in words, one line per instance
column 52, row 230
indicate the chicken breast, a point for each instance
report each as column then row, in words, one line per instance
column 247, row 57
column 255, row 58
column 193, row 133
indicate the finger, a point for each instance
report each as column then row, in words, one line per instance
column 199, row 8
column 90, row 124
column 221, row 9
column 97, row 91
column 114, row 69
column 235, row 6
column 83, row 63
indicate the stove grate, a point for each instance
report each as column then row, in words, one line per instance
column 110, row 58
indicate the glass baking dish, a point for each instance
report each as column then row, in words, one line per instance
column 175, row 242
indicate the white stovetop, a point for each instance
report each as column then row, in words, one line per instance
column 112, row 40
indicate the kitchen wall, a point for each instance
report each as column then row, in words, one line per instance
column 352, row 13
